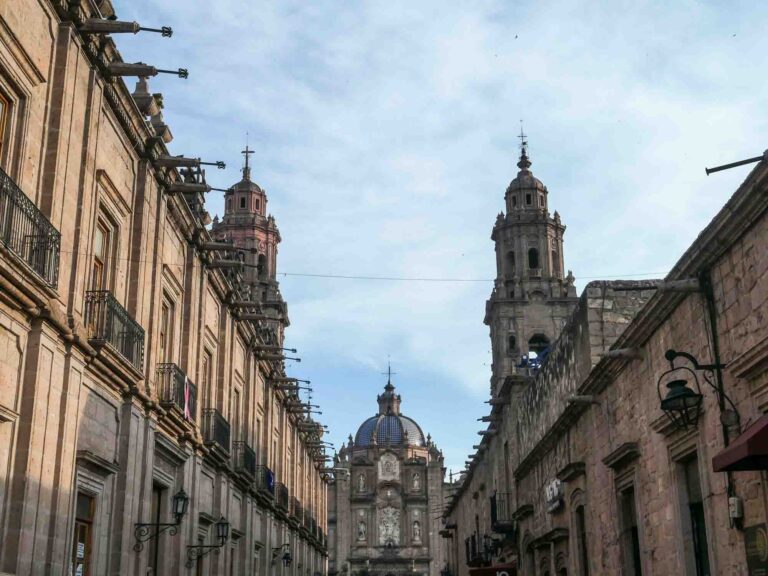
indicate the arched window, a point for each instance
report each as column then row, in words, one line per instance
column 262, row 266
column 538, row 343
column 533, row 258
column 581, row 541
column 511, row 263
column 512, row 343
column 242, row 202
column 229, row 205
column 514, row 201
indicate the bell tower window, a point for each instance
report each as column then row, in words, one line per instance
column 533, row 258
column 512, row 343
column 527, row 199
column 258, row 205
column 514, row 201
column 538, row 343
column 510, row 263
column 242, row 202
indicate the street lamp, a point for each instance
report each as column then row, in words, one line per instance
column 683, row 399
column 195, row 551
column 145, row 531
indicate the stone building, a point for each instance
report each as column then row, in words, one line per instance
column 384, row 505
column 146, row 421
column 583, row 470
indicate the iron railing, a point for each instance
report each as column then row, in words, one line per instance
column 473, row 552
column 265, row 479
column 26, row 232
column 501, row 512
column 297, row 510
column 110, row 323
column 215, row 428
column 175, row 390
column 282, row 496
column 245, row 458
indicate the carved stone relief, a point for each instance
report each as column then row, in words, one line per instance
column 389, row 467
column 389, row 525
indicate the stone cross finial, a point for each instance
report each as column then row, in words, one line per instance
column 247, row 170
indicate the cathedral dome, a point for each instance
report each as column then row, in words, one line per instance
column 390, row 430
column 525, row 179
column 389, row 427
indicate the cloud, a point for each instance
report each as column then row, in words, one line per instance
column 385, row 137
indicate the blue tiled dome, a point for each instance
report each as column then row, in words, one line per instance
column 389, row 429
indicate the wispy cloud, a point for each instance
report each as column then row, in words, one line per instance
column 386, row 137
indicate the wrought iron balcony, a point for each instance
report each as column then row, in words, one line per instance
column 297, row 510
column 265, row 480
column 282, row 496
column 473, row 552
column 176, row 391
column 216, row 429
column 245, row 459
column 501, row 513
column 26, row 232
column 109, row 323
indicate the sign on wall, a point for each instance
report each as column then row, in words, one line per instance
column 554, row 495
column 756, row 544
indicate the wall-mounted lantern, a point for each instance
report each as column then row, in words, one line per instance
column 683, row 398
column 286, row 556
column 198, row 551
column 145, row 531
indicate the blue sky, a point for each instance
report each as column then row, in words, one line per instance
column 385, row 136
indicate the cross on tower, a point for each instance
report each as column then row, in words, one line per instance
column 523, row 141
column 246, row 153
column 389, row 373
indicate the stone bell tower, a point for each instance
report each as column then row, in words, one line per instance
column 247, row 223
column 532, row 299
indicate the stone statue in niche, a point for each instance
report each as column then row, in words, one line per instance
column 389, row 467
column 417, row 531
column 416, row 483
column 362, row 530
column 389, row 525
column 361, row 483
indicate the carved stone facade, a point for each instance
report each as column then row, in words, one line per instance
column 581, row 472
column 380, row 511
column 129, row 370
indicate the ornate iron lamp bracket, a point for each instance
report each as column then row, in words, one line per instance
column 143, row 532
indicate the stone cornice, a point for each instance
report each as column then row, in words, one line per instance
column 623, row 455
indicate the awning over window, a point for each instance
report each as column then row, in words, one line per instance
column 495, row 570
column 748, row 452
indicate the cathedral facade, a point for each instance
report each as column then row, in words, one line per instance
column 384, row 506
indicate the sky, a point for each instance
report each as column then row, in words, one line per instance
column 385, row 135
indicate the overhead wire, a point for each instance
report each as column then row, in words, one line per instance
column 368, row 277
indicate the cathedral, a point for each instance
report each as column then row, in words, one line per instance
column 384, row 506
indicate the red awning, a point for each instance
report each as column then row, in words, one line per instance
column 495, row 570
column 748, row 452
